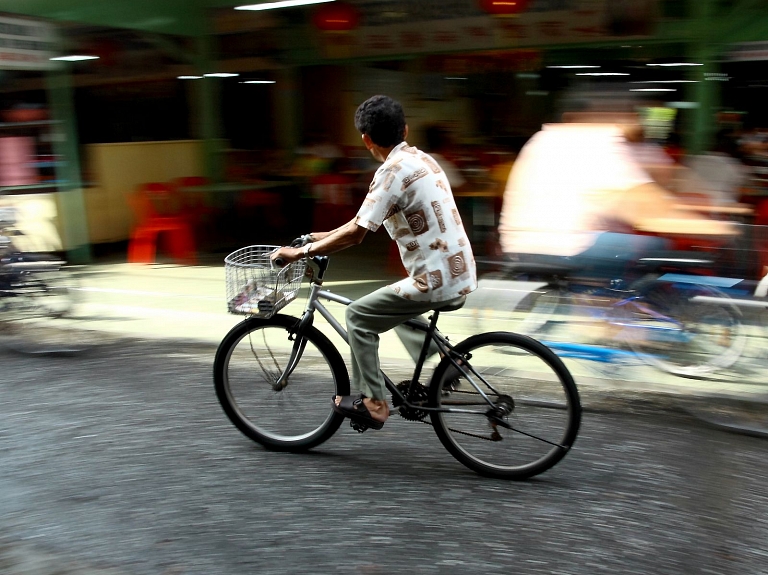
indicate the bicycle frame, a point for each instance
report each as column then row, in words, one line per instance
column 316, row 293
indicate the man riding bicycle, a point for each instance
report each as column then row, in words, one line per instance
column 412, row 197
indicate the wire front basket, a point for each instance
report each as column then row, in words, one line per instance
column 255, row 286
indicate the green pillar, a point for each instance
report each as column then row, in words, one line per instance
column 71, row 204
column 287, row 106
column 209, row 100
column 705, row 93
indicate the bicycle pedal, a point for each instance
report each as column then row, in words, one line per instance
column 359, row 427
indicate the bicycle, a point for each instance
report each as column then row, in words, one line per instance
column 33, row 286
column 681, row 323
column 502, row 404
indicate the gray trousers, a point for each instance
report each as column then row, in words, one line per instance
column 376, row 313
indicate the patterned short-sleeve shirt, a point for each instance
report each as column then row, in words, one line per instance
column 411, row 196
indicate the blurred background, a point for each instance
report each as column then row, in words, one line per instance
column 240, row 123
column 142, row 141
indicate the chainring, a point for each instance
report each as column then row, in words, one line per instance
column 419, row 394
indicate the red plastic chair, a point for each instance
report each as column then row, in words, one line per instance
column 198, row 206
column 195, row 204
column 160, row 212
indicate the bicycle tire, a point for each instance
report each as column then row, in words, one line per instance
column 496, row 305
column 542, row 391
column 695, row 338
column 54, row 291
column 248, row 362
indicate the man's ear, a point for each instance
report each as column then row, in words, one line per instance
column 405, row 133
column 367, row 141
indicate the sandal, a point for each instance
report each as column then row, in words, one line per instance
column 352, row 406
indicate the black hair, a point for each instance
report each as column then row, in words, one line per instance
column 383, row 119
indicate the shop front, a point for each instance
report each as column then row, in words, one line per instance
column 267, row 97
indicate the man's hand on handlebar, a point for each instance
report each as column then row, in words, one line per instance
column 289, row 254
column 286, row 255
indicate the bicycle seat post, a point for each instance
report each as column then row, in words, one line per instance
column 425, row 347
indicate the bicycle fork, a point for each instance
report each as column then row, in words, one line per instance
column 299, row 344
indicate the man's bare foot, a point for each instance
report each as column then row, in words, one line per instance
column 378, row 408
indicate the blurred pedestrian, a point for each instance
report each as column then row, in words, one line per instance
column 719, row 174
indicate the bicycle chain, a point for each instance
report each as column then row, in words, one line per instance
column 463, row 432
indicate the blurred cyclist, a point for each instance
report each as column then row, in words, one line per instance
column 577, row 194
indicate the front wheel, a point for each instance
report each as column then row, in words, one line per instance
column 512, row 413
column 249, row 362
column 684, row 328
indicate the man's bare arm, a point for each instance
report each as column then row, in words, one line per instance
column 317, row 236
column 651, row 208
column 348, row 235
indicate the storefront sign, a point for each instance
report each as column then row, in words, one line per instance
column 545, row 23
column 26, row 44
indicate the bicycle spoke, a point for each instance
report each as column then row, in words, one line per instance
column 534, row 399
column 297, row 416
column 532, row 436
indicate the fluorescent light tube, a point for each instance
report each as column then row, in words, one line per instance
column 74, row 58
column 281, row 4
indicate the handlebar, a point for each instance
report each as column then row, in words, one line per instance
column 299, row 242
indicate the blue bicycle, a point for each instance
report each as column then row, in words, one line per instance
column 671, row 318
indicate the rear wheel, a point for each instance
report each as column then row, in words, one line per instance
column 530, row 418
column 248, row 364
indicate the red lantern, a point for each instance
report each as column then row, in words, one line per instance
column 504, row 7
column 336, row 17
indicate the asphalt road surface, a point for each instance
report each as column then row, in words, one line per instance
column 120, row 461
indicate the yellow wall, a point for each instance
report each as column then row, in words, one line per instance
column 116, row 170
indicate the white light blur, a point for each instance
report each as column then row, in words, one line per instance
column 653, row 90
column 572, row 67
column 665, row 82
column 670, row 64
column 282, row 4
column 455, row 78
column 74, row 58
column 189, row 77
column 602, row 74
column 258, row 82
column 221, row 75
